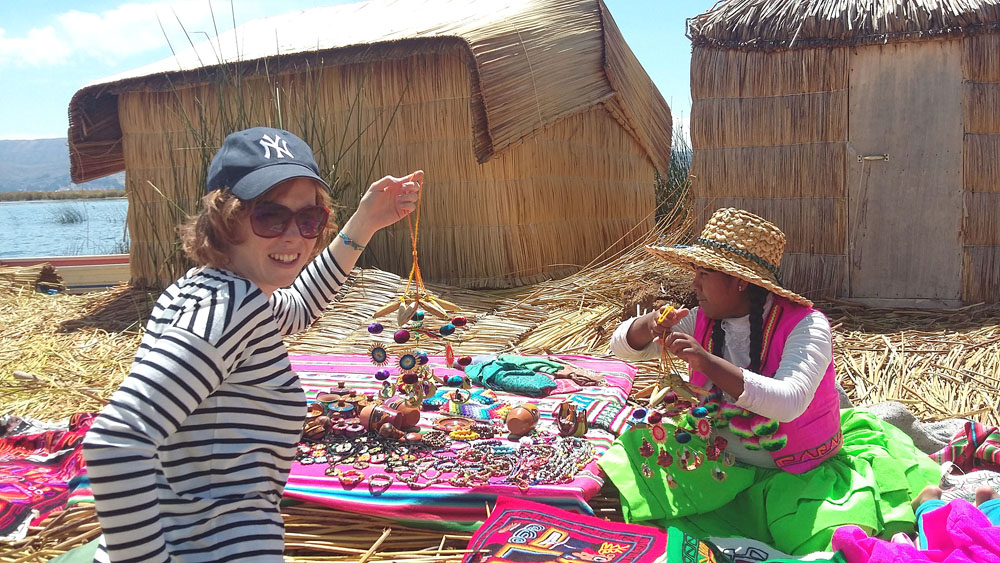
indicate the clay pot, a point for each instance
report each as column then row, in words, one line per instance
column 374, row 416
column 389, row 431
column 316, row 427
column 410, row 416
column 521, row 419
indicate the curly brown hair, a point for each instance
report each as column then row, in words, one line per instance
column 207, row 236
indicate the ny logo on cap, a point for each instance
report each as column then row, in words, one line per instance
column 279, row 150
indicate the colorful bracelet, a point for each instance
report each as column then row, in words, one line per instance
column 350, row 478
column 349, row 242
column 464, row 435
column 379, row 483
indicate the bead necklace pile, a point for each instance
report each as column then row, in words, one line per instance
column 438, row 459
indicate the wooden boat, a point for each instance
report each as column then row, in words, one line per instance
column 81, row 274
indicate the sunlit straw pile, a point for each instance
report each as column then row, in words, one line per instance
column 939, row 364
column 63, row 354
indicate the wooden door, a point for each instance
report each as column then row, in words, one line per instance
column 905, row 212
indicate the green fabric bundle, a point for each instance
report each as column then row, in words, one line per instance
column 515, row 374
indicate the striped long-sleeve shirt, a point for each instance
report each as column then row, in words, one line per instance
column 190, row 457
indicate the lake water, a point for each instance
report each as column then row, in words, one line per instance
column 62, row 227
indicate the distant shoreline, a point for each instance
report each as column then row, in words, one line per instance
column 63, row 194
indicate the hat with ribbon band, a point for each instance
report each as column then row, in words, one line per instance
column 737, row 243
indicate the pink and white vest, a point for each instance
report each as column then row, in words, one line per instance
column 798, row 445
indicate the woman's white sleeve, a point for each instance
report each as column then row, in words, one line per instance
column 620, row 346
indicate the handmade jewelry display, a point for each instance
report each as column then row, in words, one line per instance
column 436, row 475
column 356, row 434
column 456, row 452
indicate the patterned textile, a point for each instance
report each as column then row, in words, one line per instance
column 443, row 504
column 745, row 550
column 16, row 425
column 34, row 472
column 523, row 375
column 976, row 446
column 520, row 530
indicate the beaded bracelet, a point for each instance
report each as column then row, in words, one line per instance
column 379, row 483
column 350, row 242
column 350, row 478
column 464, row 434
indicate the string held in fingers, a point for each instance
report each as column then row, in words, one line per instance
column 673, row 379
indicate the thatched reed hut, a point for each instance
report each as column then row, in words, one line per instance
column 536, row 126
column 868, row 130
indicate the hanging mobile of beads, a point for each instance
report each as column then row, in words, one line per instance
column 415, row 381
column 416, row 295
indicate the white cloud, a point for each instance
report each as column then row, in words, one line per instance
column 41, row 46
column 113, row 35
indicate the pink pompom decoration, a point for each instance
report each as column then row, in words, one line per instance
column 741, row 426
column 774, row 443
column 763, row 426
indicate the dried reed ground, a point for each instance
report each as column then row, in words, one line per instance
column 64, row 354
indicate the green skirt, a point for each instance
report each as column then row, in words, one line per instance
column 869, row 483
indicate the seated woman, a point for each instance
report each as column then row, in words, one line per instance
column 763, row 356
column 189, row 459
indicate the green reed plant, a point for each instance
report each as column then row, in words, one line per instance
column 61, row 194
column 69, row 214
column 245, row 97
column 673, row 189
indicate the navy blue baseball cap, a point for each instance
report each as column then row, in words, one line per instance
column 254, row 160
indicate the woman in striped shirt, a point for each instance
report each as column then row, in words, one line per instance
column 189, row 459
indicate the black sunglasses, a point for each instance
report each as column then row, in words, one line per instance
column 270, row 220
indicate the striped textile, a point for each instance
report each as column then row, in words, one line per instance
column 976, row 446
column 443, row 505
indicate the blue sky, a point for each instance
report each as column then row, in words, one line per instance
column 49, row 49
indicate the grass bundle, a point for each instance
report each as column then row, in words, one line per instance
column 721, row 73
column 38, row 277
column 981, row 58
column 813, row 117
column 980, row 272
column 778, row 24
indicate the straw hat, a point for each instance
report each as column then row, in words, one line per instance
column 737, row 243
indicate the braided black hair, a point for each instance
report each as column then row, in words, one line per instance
column 718, row 338
column 758, row 295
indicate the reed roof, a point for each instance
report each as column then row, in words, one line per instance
column 531, row 62
column 777, row 24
